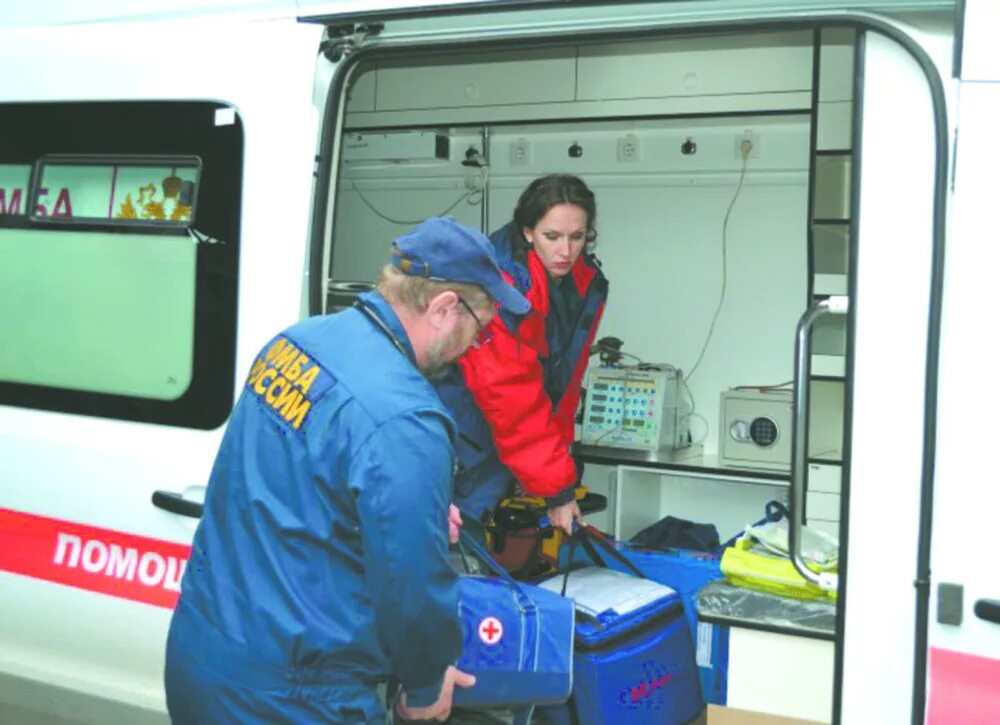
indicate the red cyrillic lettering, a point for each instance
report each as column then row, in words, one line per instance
column 63, row 203
column 14, row 207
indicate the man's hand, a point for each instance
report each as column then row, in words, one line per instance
column 454, row 523
column 441, row 709
column 562, row 517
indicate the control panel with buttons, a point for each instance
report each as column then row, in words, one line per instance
column 636, row 407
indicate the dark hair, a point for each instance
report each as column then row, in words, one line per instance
column 544, row 193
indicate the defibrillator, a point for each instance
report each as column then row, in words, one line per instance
column 521, row 538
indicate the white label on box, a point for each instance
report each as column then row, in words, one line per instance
column 703, row 649
column 595, row 590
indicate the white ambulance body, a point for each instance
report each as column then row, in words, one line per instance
column 175, row 188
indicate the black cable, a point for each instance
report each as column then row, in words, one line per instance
column 725, row 267
column 409, row 223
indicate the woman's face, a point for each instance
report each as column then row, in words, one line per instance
column 559, row 237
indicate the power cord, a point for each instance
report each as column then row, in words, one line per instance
column 476, row 192
column 765, row 388
column 745, row 148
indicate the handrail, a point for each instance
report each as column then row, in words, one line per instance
column 800, row 411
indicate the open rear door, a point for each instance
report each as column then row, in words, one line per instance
column 964, row 630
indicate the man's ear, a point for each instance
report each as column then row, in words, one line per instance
column 440, row 306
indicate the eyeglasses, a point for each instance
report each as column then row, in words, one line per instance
column 485, row 334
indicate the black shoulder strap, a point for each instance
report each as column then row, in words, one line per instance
column 587, row 536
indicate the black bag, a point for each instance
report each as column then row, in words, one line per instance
column 674, row 533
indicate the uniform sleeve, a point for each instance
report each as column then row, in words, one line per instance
column 505, row 379
column 402, row 479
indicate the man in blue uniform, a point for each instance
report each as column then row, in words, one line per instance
column 320, row 568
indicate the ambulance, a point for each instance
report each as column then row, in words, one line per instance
column 180, row 180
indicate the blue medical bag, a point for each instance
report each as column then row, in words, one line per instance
column 634, row 662
column 518, row 640
column 686, row 572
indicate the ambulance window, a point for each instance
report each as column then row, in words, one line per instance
column 119, row 238
column 125, row 192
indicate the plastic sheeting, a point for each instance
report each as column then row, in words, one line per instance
column 720, row 599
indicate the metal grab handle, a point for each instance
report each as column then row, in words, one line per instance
column 177, row 504
column 800, row 411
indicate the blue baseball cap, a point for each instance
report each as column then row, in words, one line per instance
column 441, row 249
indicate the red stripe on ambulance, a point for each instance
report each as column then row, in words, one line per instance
column 99, row 560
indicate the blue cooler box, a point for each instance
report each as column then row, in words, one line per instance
column 634, row 661
column 686, row 572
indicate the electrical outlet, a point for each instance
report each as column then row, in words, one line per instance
column 520, row 152
column 629, row 149
column 753, row 138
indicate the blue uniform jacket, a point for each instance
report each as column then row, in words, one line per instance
column 323, row 546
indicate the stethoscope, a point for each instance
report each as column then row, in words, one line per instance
column 380, row 324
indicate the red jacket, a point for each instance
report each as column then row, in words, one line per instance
column 532, row 432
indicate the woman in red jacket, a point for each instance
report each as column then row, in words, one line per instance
column 515, row 395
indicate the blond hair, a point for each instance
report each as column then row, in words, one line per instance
column 415, row 293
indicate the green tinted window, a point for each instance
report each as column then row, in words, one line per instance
column 98, row 311
column 118, row 259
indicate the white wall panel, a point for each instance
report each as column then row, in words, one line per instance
column 660, row 240
column 404, row 191
column 492, row 79
column 714, row 65
column 660, row 223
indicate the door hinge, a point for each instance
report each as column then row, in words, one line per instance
column 343, row 39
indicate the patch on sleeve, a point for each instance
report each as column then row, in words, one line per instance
column 288, row 382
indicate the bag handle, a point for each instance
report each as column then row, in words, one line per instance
column 466, row 539
column 587, row 536
column 773, row 511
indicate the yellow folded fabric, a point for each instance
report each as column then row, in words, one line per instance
column 744, row 567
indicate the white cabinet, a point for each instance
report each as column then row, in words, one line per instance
column 707, row 66
column 823, row 497
column 836, row 90
column 492, row 79
column 830, row 238
column 728, row 499
column 746, row 73
column 826, row 416
column 780, row 674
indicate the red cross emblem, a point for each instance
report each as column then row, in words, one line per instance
column 490, row 630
